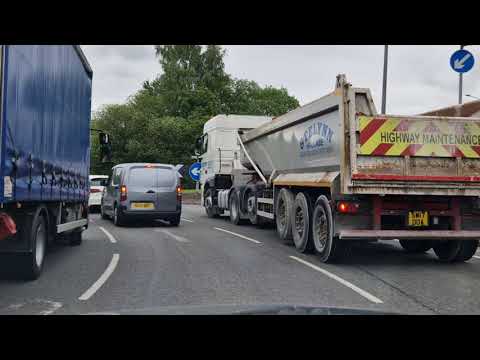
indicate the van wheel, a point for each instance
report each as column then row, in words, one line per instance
column 175, row 221
column 283, row 215
column 102, row 213
column 36, row 230
column 416, row 246
column 328, row 247
column 118, row 217
column 301, row 229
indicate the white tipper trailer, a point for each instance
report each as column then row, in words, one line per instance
column 334, row 172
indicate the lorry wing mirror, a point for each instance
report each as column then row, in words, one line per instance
column 104, row 139
column 105, row 147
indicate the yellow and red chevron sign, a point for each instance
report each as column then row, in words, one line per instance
column 389, row 136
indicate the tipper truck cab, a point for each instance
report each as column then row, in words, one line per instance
column 334, row 171
column 45, row 97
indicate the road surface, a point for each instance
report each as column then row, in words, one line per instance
column 213, row 262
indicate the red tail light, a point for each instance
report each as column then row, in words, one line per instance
column 179, row 192
column 123, row 193
column 347, row 207
column 94, row 191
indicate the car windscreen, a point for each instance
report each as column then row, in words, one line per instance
column 98, row 181
column 151, row 177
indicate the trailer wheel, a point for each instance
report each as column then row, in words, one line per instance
column 301, row 227
column 234, row 207
column 447, row 251
column 468, row 248
column 283, row 215
column 35, row 229
column 328, row 247
column 210, row 209
column 416, row 246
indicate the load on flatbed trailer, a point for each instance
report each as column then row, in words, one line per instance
column 334, row 171
column 45, row 151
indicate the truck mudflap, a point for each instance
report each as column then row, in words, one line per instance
column 409, row 235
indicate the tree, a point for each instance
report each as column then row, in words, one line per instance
column 161, row 121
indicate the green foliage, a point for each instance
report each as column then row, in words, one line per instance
column 161, row 121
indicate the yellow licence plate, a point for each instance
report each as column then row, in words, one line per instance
column 142, row 206
column 417, row 218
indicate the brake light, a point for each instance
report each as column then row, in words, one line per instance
column 179, row 191
column 347, row 207
column 94, row 191
column 123, row 193
column 149, row 166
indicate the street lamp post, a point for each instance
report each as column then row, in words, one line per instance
column 384, row 89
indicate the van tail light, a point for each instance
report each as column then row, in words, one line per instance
column 94, row 191
column 179, row 192
column 123, row 193
column 347, row 207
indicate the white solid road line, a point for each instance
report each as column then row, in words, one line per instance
column 176, row 237
column 187, row 220
column 102, row 279
column 341, row 281
column 110, row 236
column 241, row 236
column 476, row 257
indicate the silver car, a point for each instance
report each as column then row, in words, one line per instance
column 142, row 191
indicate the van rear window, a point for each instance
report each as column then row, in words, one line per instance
column 151, row 177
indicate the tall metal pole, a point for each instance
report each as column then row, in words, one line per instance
column 384, row 90
column 460, row 84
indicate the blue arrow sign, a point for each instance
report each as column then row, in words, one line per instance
column 194, row 171
column 462, row 61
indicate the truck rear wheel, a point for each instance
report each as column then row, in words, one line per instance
column 283, row 215
column 301, row 228
column 210, row 209
column 416, row 246
column 234, row 207
column 35, row 229
column 455, row 250
column 447, row 251
column 326, row 246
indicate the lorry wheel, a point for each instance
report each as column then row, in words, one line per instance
column 75, row 238
column 416, row 246
column 118, row 217
column 210, row 209
column 326, row 246
column 32, row 263
column 283, row 215
column 252, row 208
column 447, row 251
column 301, row 229
column 468, row 248
column 234, row 207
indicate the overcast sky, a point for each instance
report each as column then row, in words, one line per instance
column 419, row 77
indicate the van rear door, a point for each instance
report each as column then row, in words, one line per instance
column 141, row 188
column 166, row 189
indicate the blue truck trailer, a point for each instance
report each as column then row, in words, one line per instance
column 44, row 151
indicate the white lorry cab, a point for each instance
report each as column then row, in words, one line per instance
column 219, row 148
